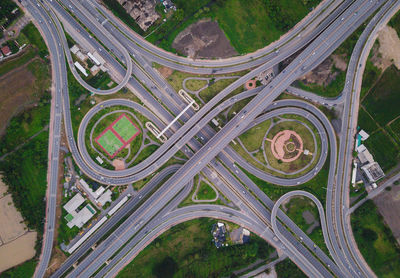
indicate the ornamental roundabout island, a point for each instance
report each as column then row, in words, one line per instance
column 116, row 137
column 286, row 146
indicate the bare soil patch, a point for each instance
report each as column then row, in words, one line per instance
column 204, row 39
column 388, row 203
column 16, row 93
column 119, row 164
column 389, row 48
column 324, row 74
column 17, row 251
column 165, row 71
column 11, row 222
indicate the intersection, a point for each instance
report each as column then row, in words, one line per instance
column 156, row 209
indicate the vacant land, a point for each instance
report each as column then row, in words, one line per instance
column 375, row 241
column 204, row 39
column 249, row 25
column 388, row 204
column 186, row 250
column 335, row 75
column 378, row 115
column 17, row 251
column 382, row 102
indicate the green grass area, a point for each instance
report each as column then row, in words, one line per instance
column 375, row 241
column 384, row 98
column 125, row 128
column 370, row 76
column 195, row 84
column 110, row 142
column 205, row 192
column 26, row 269
column 186, row 250
column 384, row 149
column 248, row 25
column 366, row 122
column 395, row 128
column 28, row 54
column 176, row 80
column 24, row 172
column 295, row 208
column 23, row 126
column 35, row 38
column 316, row 185
column 100, row 81
column 214, row 88
column 287, row 269
column 252, row 138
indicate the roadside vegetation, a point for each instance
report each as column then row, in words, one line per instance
column 295, row 209
column 287, row 269
column 249, row 25
column 186, row 250
column 27, row 269
column 24, row 170
column 314, row 186
column 335, row 87
column 375, row 241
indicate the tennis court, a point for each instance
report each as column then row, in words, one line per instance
column 117, row 135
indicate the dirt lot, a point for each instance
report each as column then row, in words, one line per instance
column 389, row 48
column 323, row 74
column 17, row 244
column 17, row 251
column 16, row 92
column 11, row 222
column 204, row 39
column 388, row 203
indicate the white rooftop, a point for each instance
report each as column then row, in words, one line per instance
column 82, row 216
column 74, row 203
column 363, row 134
column 74, row 49
column 105, row 198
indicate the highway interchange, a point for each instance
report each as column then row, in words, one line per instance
column 154, row 210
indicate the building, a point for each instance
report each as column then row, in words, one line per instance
column 373, row 171
column 94, row 59
column 365, row 157
column 364, row 136
column 240, row 235
column 219, row 234
column 81, row 217
column 98, row 57
column 77, row 217
column 74, row 49
column 94, row 70
column 104, row 198
column 81, row 56
column 74, row 203
column 81, row 69
column 6, row 50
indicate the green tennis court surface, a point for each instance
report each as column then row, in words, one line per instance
column 110, row 142
column 125, row 128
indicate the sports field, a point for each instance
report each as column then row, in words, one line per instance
column 117, row 135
